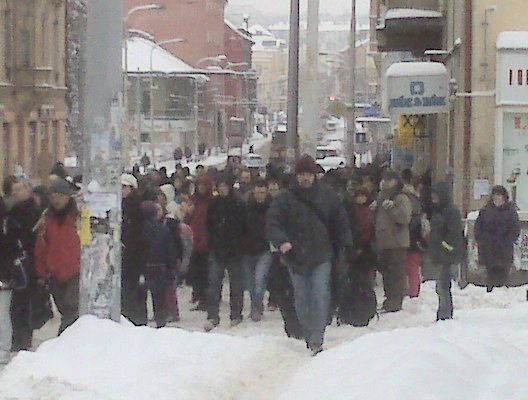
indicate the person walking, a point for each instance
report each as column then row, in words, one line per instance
column 258, row 258
column 445, row 245
column 496, row 231
column 6, row 278
column 133, row 252
column 226, row 224
column 58, row 252
column 21, row 221
column 196, row 218
column 393, row 216
column 161, row 259
column 414, row 260
column 308, row 223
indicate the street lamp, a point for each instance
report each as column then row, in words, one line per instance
column 134, row 10
column 156, row 46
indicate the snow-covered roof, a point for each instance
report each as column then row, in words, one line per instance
column 513, row 40
column 398, row 13
column 238, row 31
column 416, row 69
column 139, row 51
column 259, row 30
column 324, row 26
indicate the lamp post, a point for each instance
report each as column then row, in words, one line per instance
column 293, row 85
column 156, row 46
column 351, row 120
column 146, row 7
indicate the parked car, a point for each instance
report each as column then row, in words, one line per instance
column 329, row 157
column 253, row 161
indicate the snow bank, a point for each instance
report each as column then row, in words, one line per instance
column 481, row 355
column 97, row 359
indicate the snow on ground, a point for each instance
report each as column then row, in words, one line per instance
column 482, row 354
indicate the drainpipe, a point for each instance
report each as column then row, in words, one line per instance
column 468, row 109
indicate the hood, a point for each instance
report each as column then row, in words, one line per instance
column 169, row 192
column 443, row 190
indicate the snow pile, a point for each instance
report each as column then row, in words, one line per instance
column 481, row 355
column 98, row 359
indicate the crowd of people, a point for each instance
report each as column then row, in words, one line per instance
column 312, row 239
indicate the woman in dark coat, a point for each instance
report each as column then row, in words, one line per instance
column 496, row 230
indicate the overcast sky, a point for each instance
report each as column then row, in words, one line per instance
column 282, row 6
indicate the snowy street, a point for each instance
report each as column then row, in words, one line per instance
column 481, row 354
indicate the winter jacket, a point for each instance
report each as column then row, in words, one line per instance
column 132, row 237
column 446, row 243
column 162, row 252
column 415, row 226
column 198, row 220
column 314, row 239
column 226, row 224
column 255, row 238
column 58, row 248
column 496, row 231
column 362, row 224
column 392, row 224
column 173, row 208
column 183, row 242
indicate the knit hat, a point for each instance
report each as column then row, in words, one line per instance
column 306, row 164
column 129, row 180
column 60, row 186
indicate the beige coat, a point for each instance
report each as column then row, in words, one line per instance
column 392, row 224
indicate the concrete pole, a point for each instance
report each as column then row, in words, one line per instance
column 351, row 120
column 293, row 86
column 310, row 123
column 100, row 225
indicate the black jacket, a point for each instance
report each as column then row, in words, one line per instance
column 133, row 238
column 314, row 241
column 256, row 241
column 162, row 251
column 496, row 231
column 18, row 239
column 446, row 244
column 226, row 225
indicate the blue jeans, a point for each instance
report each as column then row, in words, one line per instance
column 443, row 289
column 312, row 302
column 6, row 329
column 257, row 269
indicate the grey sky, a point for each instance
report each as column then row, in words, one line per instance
column 282, row 6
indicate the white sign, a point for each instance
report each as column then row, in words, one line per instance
column 481, row 188
column 417, row 88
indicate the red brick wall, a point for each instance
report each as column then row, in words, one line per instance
column 200, row 22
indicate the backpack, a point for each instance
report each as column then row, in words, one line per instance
column 358, row 304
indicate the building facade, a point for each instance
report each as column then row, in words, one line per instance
column 33, row 108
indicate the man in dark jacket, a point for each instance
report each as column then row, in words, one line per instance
column 58, row 252
column 258, row 259
column 21, row 221
column 496, row 231
column 226, row 225
column 445, row 245
column 133, row 296
column 307, row 223
column 393, row 216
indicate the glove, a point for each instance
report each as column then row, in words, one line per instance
column 388, row 204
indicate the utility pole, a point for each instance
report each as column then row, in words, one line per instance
column 351, row 120
column 100, row 225
column 310, row 122
column 293, row 87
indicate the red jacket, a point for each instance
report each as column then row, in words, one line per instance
column 58, row 248
column 198, row 220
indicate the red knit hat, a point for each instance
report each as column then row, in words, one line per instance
column 306, row 164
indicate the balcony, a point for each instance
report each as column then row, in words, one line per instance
column 411, row 25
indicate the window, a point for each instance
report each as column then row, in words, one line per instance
column 56, row 62
column 520, row 75
column 25, row 48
